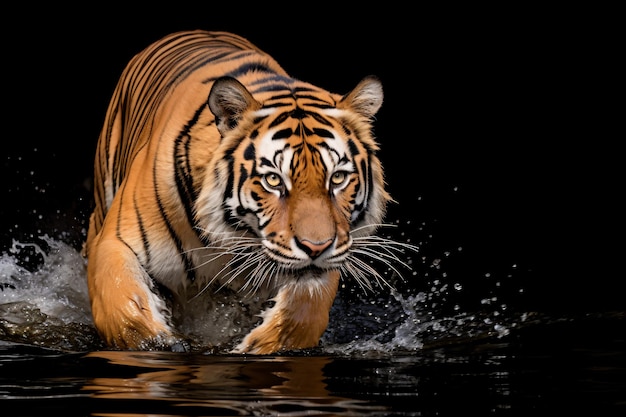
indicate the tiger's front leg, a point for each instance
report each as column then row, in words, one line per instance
column 298, row 318
column 126, row 311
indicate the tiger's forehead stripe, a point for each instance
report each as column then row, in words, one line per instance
column 274, row 143
column 283, row 134
column 299, row 114
column 318, row 117
column 323, row 133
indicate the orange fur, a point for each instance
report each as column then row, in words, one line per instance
column 297, row 320
column 121, row 308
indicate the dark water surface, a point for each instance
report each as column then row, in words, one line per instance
column 548, row 368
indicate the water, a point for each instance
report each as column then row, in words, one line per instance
column 531, row 375
column 391, row 353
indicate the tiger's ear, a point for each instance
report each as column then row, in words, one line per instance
column 366, row 98
column 228, row 100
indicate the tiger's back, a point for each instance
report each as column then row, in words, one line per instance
column 216, row 169
column 147, row 82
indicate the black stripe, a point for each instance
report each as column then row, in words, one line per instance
column 144, row 236
column 183, row 175
column 186, row 260
column 282, row 134
column 249, row 153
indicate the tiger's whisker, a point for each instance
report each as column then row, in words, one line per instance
column 233, row 249
column 227, row 271
column 259, row 275
column 392, row 244
column 370, row 226
column 254, row 259
column 386, row 258
column 365, row 267
column 350, row 270
column 384, row 261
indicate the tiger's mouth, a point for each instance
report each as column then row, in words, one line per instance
column 309, row 271
column 290, row 265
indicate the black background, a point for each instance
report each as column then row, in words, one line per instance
column 495, row 131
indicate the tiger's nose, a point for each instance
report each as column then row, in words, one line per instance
column 313, row 249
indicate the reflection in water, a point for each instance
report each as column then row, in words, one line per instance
column 223, row 384
column 562, row 367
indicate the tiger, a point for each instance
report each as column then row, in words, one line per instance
column 216, row 171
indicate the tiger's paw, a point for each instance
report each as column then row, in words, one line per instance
column 260, row 342
column 276, row 337
column 133, row 334
column 127, row 312
column 131, row 317
column 297, row 320
column 284, row 329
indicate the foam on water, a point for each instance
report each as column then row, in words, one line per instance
column 49, row 306
column 58, row 288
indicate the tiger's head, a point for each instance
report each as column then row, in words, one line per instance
column 296, row 171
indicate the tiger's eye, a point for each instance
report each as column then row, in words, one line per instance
column 273, row 180
column 338, row 177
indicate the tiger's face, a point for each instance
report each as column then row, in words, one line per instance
column 300, row 190
column 301, row 178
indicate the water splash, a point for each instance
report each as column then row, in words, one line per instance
column 58, row 288
column 48, row 305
